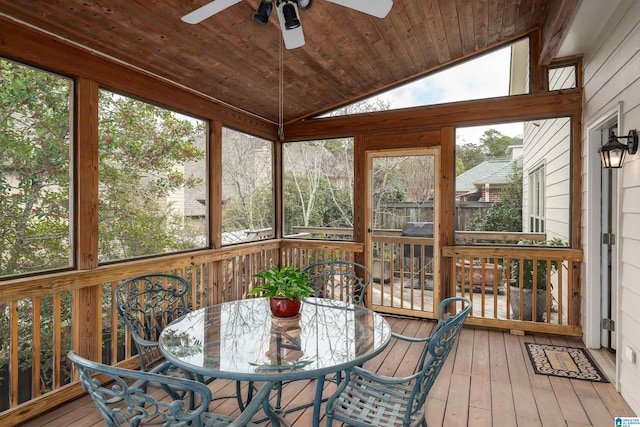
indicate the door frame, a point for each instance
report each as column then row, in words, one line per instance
column 593, row 219
column 434, row 151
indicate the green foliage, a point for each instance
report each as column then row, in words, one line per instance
column 541, row 266
column 468, row 156
column 34, row 170
column 141, row 147
column 495, row 144
column 26, row 340
column 506, row 215
column 286, row 282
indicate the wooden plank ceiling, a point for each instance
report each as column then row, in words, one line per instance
column 348, row 55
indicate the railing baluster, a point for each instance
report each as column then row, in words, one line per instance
column 14, row 357
column 57, row 342
column 35, row 368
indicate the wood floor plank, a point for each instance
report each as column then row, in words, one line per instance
column 481, row 363
column 594, row 407
column 523, row 399
column 480, row 393
column 487, row 381
column 501, row 394
column 612, row 400
column 479, row 417
column 548, row 407
column 498, row 355
column 504, row 414
column 457, row 412
column 434, row 411
column 568, row 400
column 464, row 356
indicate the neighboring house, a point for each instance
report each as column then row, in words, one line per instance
column 546, row 183
column 191, row 202
column 483, row 182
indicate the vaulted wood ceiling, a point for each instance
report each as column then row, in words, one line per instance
column 347, row 56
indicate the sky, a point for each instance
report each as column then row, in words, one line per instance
column 484, row 77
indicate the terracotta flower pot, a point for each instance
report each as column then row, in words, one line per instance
column 284, row 307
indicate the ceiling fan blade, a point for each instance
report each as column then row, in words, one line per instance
column 292, row 38
column 377, row 8
column 209, row 9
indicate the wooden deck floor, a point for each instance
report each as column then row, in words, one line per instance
column 487, row 381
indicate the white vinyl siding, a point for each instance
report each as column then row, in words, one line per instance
column 611, row 76
column 547, row 142
column 536, row 200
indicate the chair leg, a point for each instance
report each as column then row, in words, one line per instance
column 279, row 396
column 329, row 420
column 241, row 403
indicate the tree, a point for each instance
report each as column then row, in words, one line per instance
column 495, row 144
column 318, row 178
column 143, row 152
column 246, row 182
column 34, row 170
column 318, row 184
column 470, row 155
column 505, row 215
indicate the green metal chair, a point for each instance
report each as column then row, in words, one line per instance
column 365, row 398
column 340, row 280
column 138, row 398
column 147, row 304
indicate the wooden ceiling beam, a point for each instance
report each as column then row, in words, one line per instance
column 558, row 18
column 470, row 113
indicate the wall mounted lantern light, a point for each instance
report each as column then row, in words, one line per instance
column 612, row 153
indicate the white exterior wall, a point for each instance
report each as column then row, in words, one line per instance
column 612, row 81
column 547, row 143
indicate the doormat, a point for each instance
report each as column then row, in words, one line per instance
column 567, row 362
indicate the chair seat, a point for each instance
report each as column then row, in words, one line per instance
column 366, row 398
column 375, row 404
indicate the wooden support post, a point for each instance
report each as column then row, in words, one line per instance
column 87, row 306
column 446, row 209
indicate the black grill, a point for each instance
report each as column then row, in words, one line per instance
column 418, row 229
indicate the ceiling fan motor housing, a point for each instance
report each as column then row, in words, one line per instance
column 304, row 4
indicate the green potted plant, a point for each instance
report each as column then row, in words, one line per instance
column 285, row 287
column 526, row 281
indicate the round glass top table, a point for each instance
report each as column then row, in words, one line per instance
column 240, row 340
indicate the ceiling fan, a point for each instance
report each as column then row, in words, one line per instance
column 287, row 11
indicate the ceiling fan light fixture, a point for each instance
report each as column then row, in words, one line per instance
column 264, row 11
column 290, row 15
column 304, row 4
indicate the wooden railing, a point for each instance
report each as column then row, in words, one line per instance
column 500, row 237
column 500, row 280
column 42, row 317
column 462, row 237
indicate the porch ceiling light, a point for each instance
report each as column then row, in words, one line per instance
column 264, row 10
column 613, row 152
column 291, row 20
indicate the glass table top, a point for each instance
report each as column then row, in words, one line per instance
column 241, row 340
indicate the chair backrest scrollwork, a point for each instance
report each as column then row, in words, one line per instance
column 340, row 280
column 147, row 304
